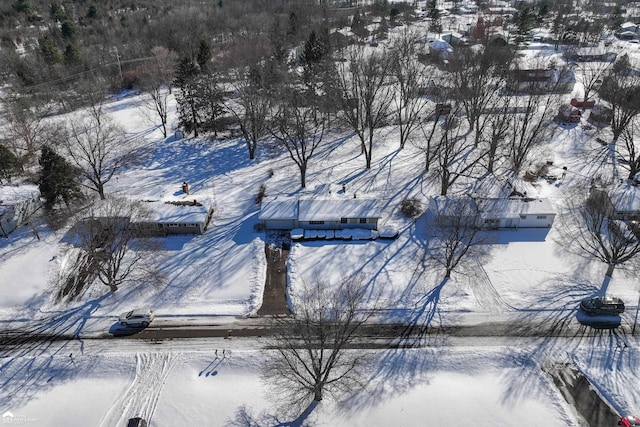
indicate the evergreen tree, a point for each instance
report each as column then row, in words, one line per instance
column 204, row 55
column 9, row 164
column 187, row 96
column 72, row 55
column 57, row 180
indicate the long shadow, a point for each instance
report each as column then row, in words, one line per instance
column 244, row 417
column 34, row 358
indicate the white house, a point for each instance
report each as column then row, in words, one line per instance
column 625, row 199
column 165, row 217
column 319, row 213
column 17, row 204
column 493, row 213
column 515, row 212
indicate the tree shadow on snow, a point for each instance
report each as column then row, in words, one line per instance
column 35, row 356
column 244, row 417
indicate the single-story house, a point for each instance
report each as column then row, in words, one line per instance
column 453, row 211
column 17, row 204
column 493, row 213
column 590, row 54
column 440, row 47
column 515, row 212
column 625, row 201
column 453, row 38
column 319, row 213
column 540, row 80
column 165, row 217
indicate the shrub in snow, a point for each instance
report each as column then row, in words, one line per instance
column 297, row 234
column 411, row 207
column 310, row 234
column 388, row 233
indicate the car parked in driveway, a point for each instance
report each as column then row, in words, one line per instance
column 602, row 306
column 140, row 317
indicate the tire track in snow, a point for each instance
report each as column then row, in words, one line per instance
column 141, row 398
column 486, row 295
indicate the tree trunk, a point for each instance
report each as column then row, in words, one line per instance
column 317, row 393
column 610, row 269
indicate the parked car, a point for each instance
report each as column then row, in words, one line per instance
column 137, row 422
column 602, row 305
column 628, row 421
column 139, row 317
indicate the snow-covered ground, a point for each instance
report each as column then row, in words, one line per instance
column 222, row 273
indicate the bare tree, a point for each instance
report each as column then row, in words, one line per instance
column 622, row 93
column 494, row 138
column 312, row 356
column 455, row 234
column 592, row 75
column 115, row 253
column 408, row 72
column 589, row 228
column 628, row 152
column 98, row 148
column 157, row 82
column 454, row 153
column 529, row 128
column 299, row 126
column 251, row 108
column 364, row 93
column 476, row 77
column 26, row 130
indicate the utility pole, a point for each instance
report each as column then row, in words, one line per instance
column 115, row 48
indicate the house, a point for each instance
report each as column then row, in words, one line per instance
column 441, row 48
column 17, row 204
column 541, row 80
column 515, row 212
column 590, row 54
column 453, row 38
column 454, row 211
column 319, row 213
column 624, row 201
column 164, row 217
column 493, row 213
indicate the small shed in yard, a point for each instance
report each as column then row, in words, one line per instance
column 17, row 204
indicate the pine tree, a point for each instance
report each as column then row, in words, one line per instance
column 204, row 55
column 57, row 180
column 186, row 82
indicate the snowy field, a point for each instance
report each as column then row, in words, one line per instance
column 222, row 274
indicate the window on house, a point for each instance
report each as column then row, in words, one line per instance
column 522, row 216
column 174, row 225
column 542, row 217
column 363, row 220
column 316, row 222
column 343, row 220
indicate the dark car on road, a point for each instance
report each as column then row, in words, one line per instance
column 602, row 305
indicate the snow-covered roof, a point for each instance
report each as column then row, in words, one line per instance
column 626, row 198
column 453, row 206
column 628, row 25
column 441, row 45
column 508, row 208
column 283, row 208
column 324, row 209
column 167, row 213
column 12, row 194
